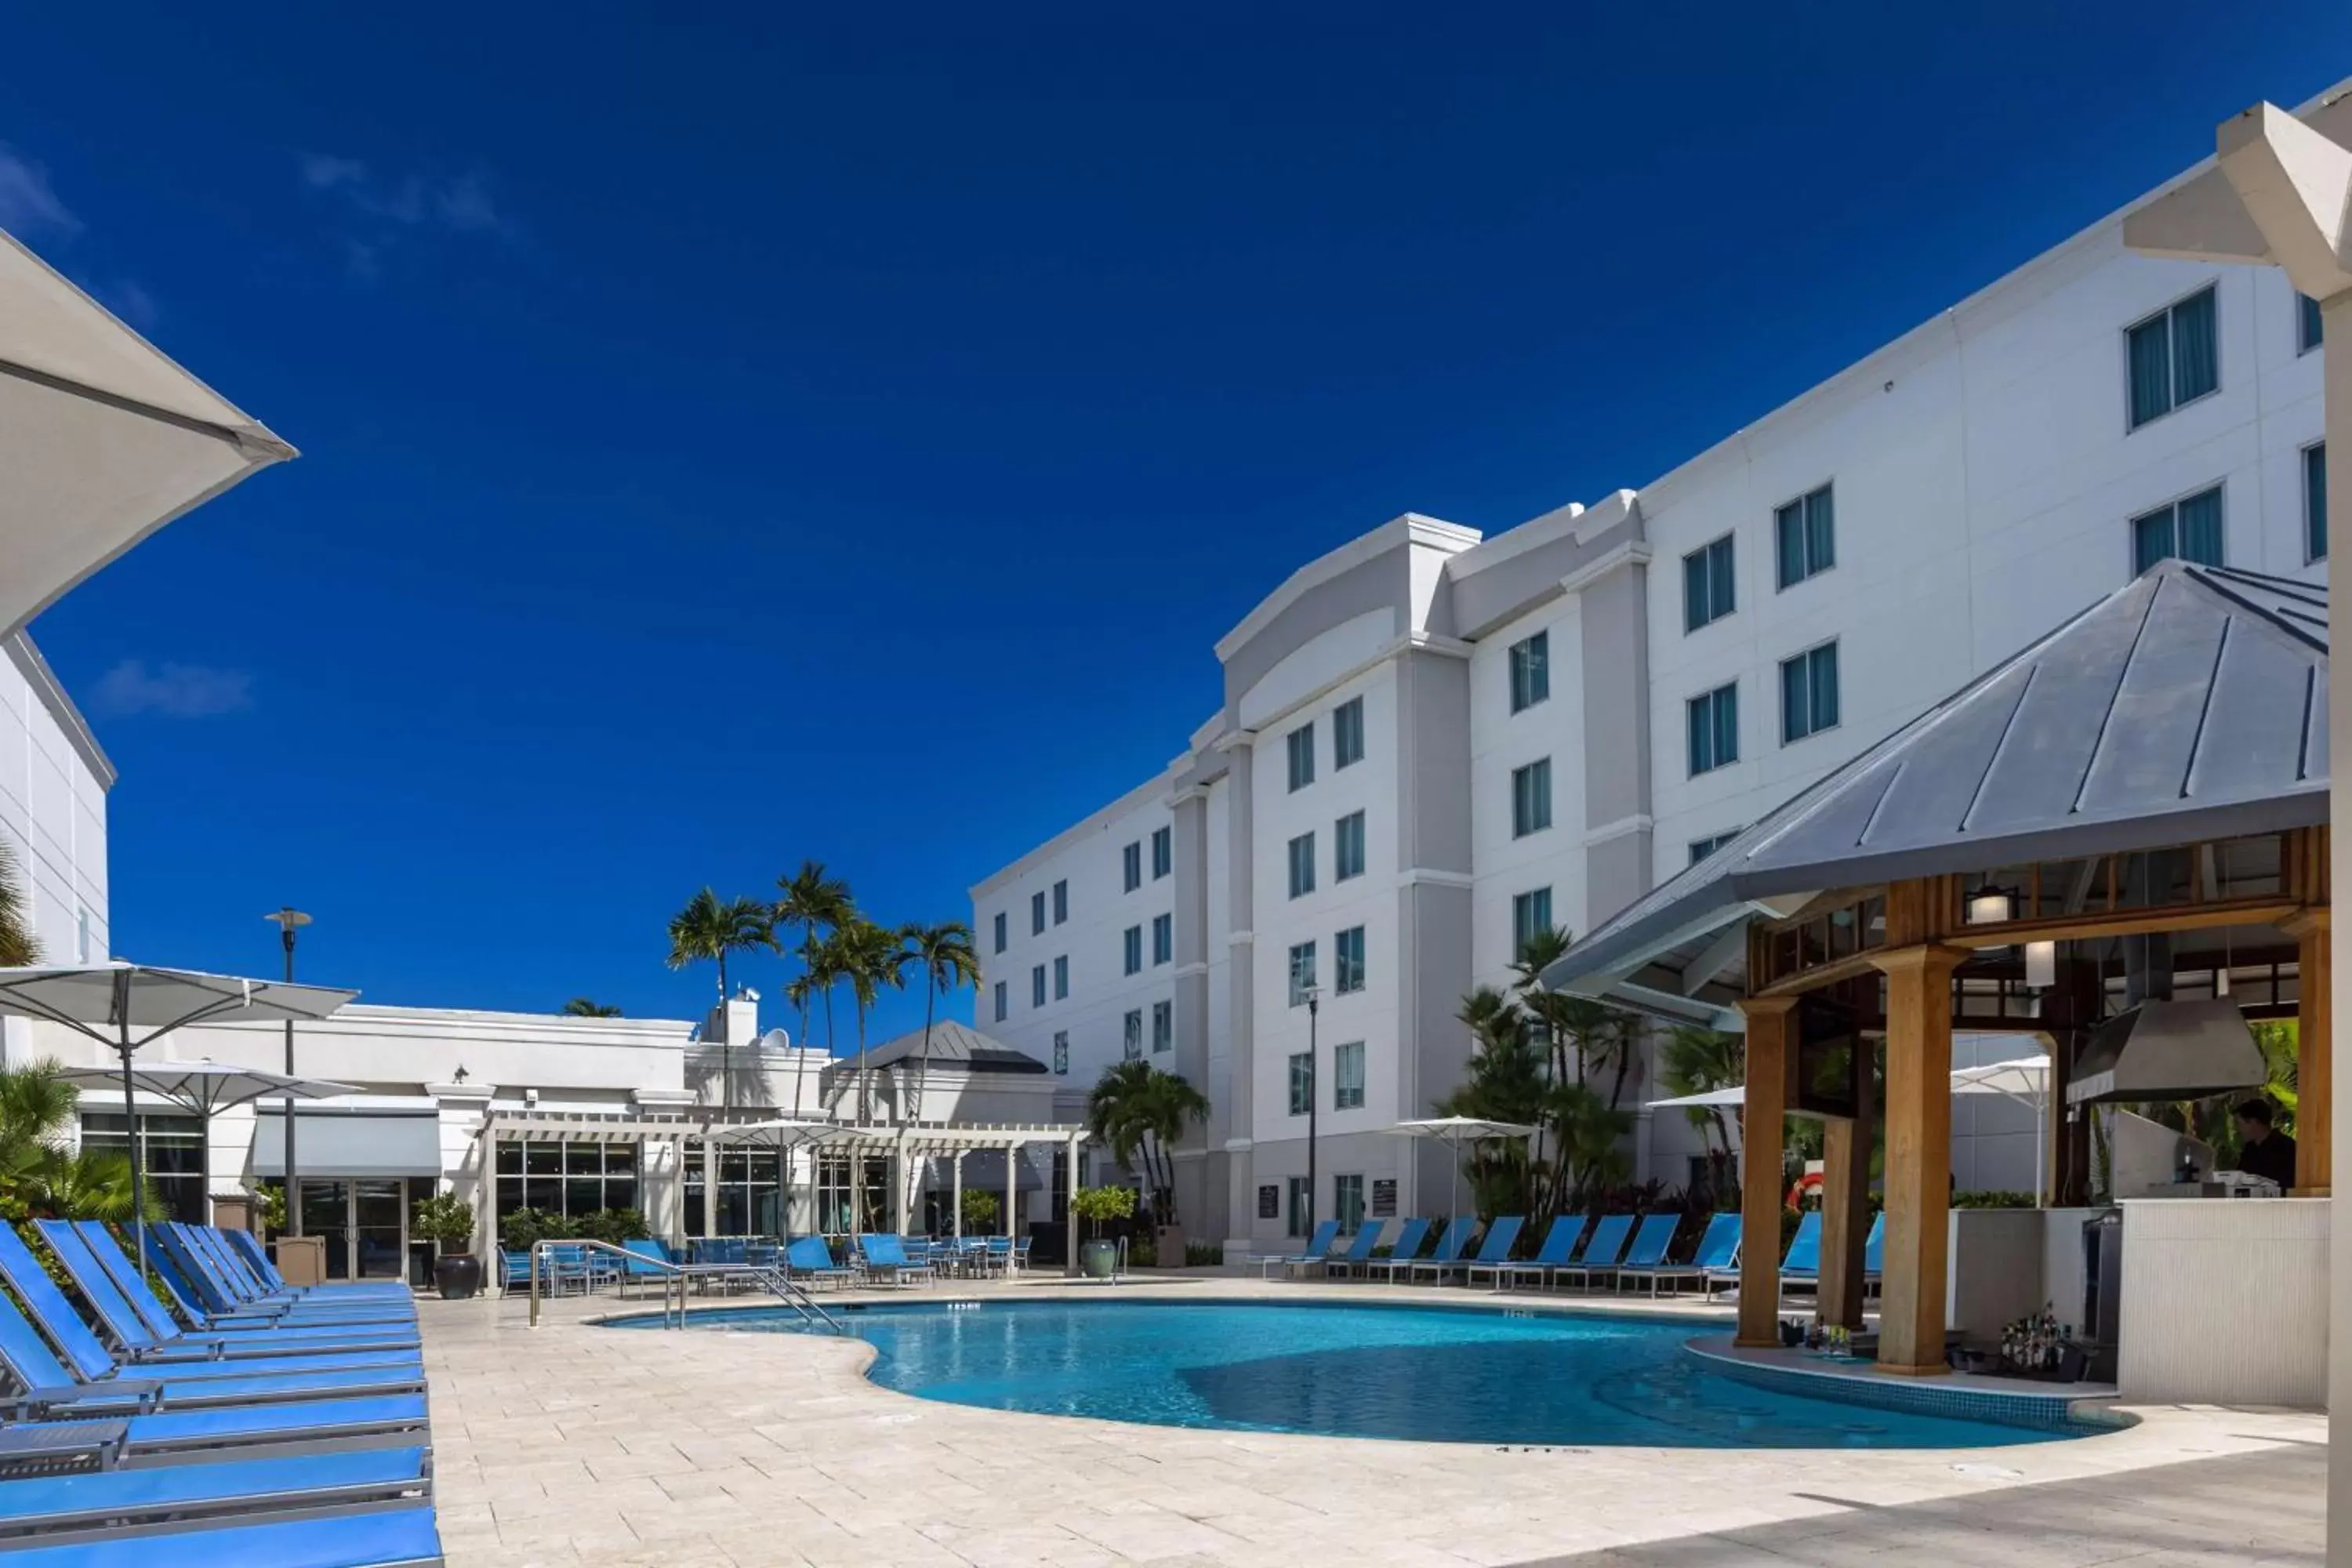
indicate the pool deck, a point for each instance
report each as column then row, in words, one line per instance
column 571, row 1443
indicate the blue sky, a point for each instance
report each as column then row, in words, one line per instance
column 730, row 439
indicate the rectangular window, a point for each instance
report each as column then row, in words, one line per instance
column 1130, row 944
column 1302, row 865
column 2174, row 357
column 1348, row 846
column 1346, row 734
column 1302, row 1083
column 1132, row 865
column 1164, row 1026
column 1348, row 1203
column 1061, row 903
column 999, row 931
column 1062, row 978
column 1530, row 918
column 1348, row 1077
column 1302, row 972
column 1348, row 960
column 1036, row 913
column 1131, row 1041
column 1301, row 743
column 1700, row 848
column 2314, row 503
column 1163, row 852
column 1809, row 694
column 1714, row 729
column 1804, row 537
column 1708, row 594
column 1037, row 987
column 1000, row 1007
column 1531, row 671
column 1062, row 1053
column 1300, row 1205
column 2309, row 334
column 173, row 1148
column 1531, row 798
column 1163, row 938
column 2190, row 528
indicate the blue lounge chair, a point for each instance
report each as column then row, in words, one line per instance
column 397, row 1538
column 225, row 1291
column 1559, row 1249
column 1873, row 1254
column 250, row 1288
column 248, row 1251
column 884, row 1255
column 1653, row 1239
column 1717, row 1245
column 1318, row 1248
column 1802, row 1266
column 1359, row 1252
column 648, row 1259
column 1603, row 1249
column 1447, row 1253
column 1495, row 1250
column 37, row 1512
column 808, row 1257
column 1406, row 1248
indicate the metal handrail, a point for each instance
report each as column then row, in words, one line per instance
column 677, row 1274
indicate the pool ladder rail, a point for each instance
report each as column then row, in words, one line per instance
column 676, row 1277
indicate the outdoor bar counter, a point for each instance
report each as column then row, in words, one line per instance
column 2224, row 1302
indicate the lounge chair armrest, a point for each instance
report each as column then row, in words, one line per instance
column 144, row 1393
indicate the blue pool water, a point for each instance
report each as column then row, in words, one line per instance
column 1434, row 1375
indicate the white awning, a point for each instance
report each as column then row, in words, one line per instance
column 350, row 1142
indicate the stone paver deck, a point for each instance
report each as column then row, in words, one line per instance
column 571, row 1443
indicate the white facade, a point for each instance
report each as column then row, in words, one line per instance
column 1983, row 473
column 54, row 780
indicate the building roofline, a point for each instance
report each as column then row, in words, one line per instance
column 1152, row 791
column 52, row 692
column 1410, row 527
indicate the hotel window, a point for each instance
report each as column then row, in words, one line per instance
column 1062, row 1052
column 1294, row 1220
column 1163, row 852
column 173, row 1148
column 1000, row 1002
column 1348, row 1203
column 1530, row 918
column 2314, row 503
column 1714, row 729
column 1132, row 1045
column 1804, row 537
column 1037, row 987
column 1531, row 671
column 576, row 1179
column 1164, row 1026
column 1348, row 846
column 1062, row 978
column 1700, row 848
column 1061, row 902
column 1809, row 694
column 1036, row 913
column 2174, row 358
column 1709, row 585
column 1302, row 865
column 1348, row 733
column 2190, row 528
column 1132, row 865
column 1348, row 960
column 1130, row 941
column 1163, row 938
column 2309, row 332
column 1531, row 798
column 1348, row 1077
column 1302, row 1083
column 999, row 931
column 1302, row 972
column 1301, row 743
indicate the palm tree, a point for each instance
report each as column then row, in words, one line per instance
column 707, row 929
column 814, row 901
column 945, row 956
column 869, row 957
column 581, row 1007
column 1698, row 1061
column 1507, row 1080
column 38, row 1109
column 1136, row 1109
column 18, row 950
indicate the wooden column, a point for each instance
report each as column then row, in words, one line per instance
column 2314, row 1116
column 1845, row 1197
column 1771, row 1060
column 1918, row 1155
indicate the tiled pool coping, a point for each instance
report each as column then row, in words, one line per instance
column 2003, row 1402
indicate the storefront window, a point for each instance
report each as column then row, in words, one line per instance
column 571, row 1179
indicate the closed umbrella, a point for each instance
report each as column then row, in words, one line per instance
column 209, row 1088
column 1455, row 1132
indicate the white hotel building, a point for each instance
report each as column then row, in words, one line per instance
column 1429, row 739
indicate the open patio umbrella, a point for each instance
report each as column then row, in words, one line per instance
column 208, row 1088
column 124, row 1007
column 1455, row 1132
column 783, row 1135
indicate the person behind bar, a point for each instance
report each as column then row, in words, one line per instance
column 2264, row 1151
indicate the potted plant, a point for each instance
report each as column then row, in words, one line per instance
column 1098, row 1258
column 447, row 1220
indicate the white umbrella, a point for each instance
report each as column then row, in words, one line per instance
column 782, row 1134
column 208, row 1088
column 103, row 439
column 1454, row 1131
column 1735, row 1096
column 123, row 1007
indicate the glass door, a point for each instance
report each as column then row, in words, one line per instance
column 327, row 1215
column 379, row 1230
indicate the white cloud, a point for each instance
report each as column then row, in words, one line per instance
column 127, row 300
column 28, row 205
column 460, row 205
column 172, row 690
column 324, row 171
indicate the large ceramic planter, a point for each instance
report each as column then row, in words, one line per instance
column 1098, row 1260
column 458, row 1274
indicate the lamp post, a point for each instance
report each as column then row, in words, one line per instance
column 1312, row 994
column 289, row 920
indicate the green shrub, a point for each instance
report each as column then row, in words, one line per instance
column 981, row 1209
column 1207, row 1254
column 1993, row 1200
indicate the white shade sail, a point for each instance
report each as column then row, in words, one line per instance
column 103, row 439
column 105, row 1001
column 206, row 1089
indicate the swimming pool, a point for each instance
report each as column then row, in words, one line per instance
column 1428, row 1373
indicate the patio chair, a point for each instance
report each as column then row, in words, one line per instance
column 397, row 1538
column 999, row 1255
column 1452, row 1243
column 647, row 1260
column 514, row 1270
column 1802, row 1266
column 808, row 1257
column 224, row 1289
column 1602, row 1249
column 377, row 1298
column 1317, row 1246
column 1717, row 1245
column 1559, row 1248
column 883, row 1256
column 1342, row 1265
column 248, row 1246
column 41, row 1511
column 1493, row 1251
column 1021, row 1256
column 1407, row 1246
column 1653, row 1239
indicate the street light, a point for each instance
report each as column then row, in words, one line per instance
column 289, row 920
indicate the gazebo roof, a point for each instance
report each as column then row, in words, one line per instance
column 952, row 1045
column 2190, row 704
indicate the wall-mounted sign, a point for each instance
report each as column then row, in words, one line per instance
column 1383, row 1197
column 1269, row 1202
